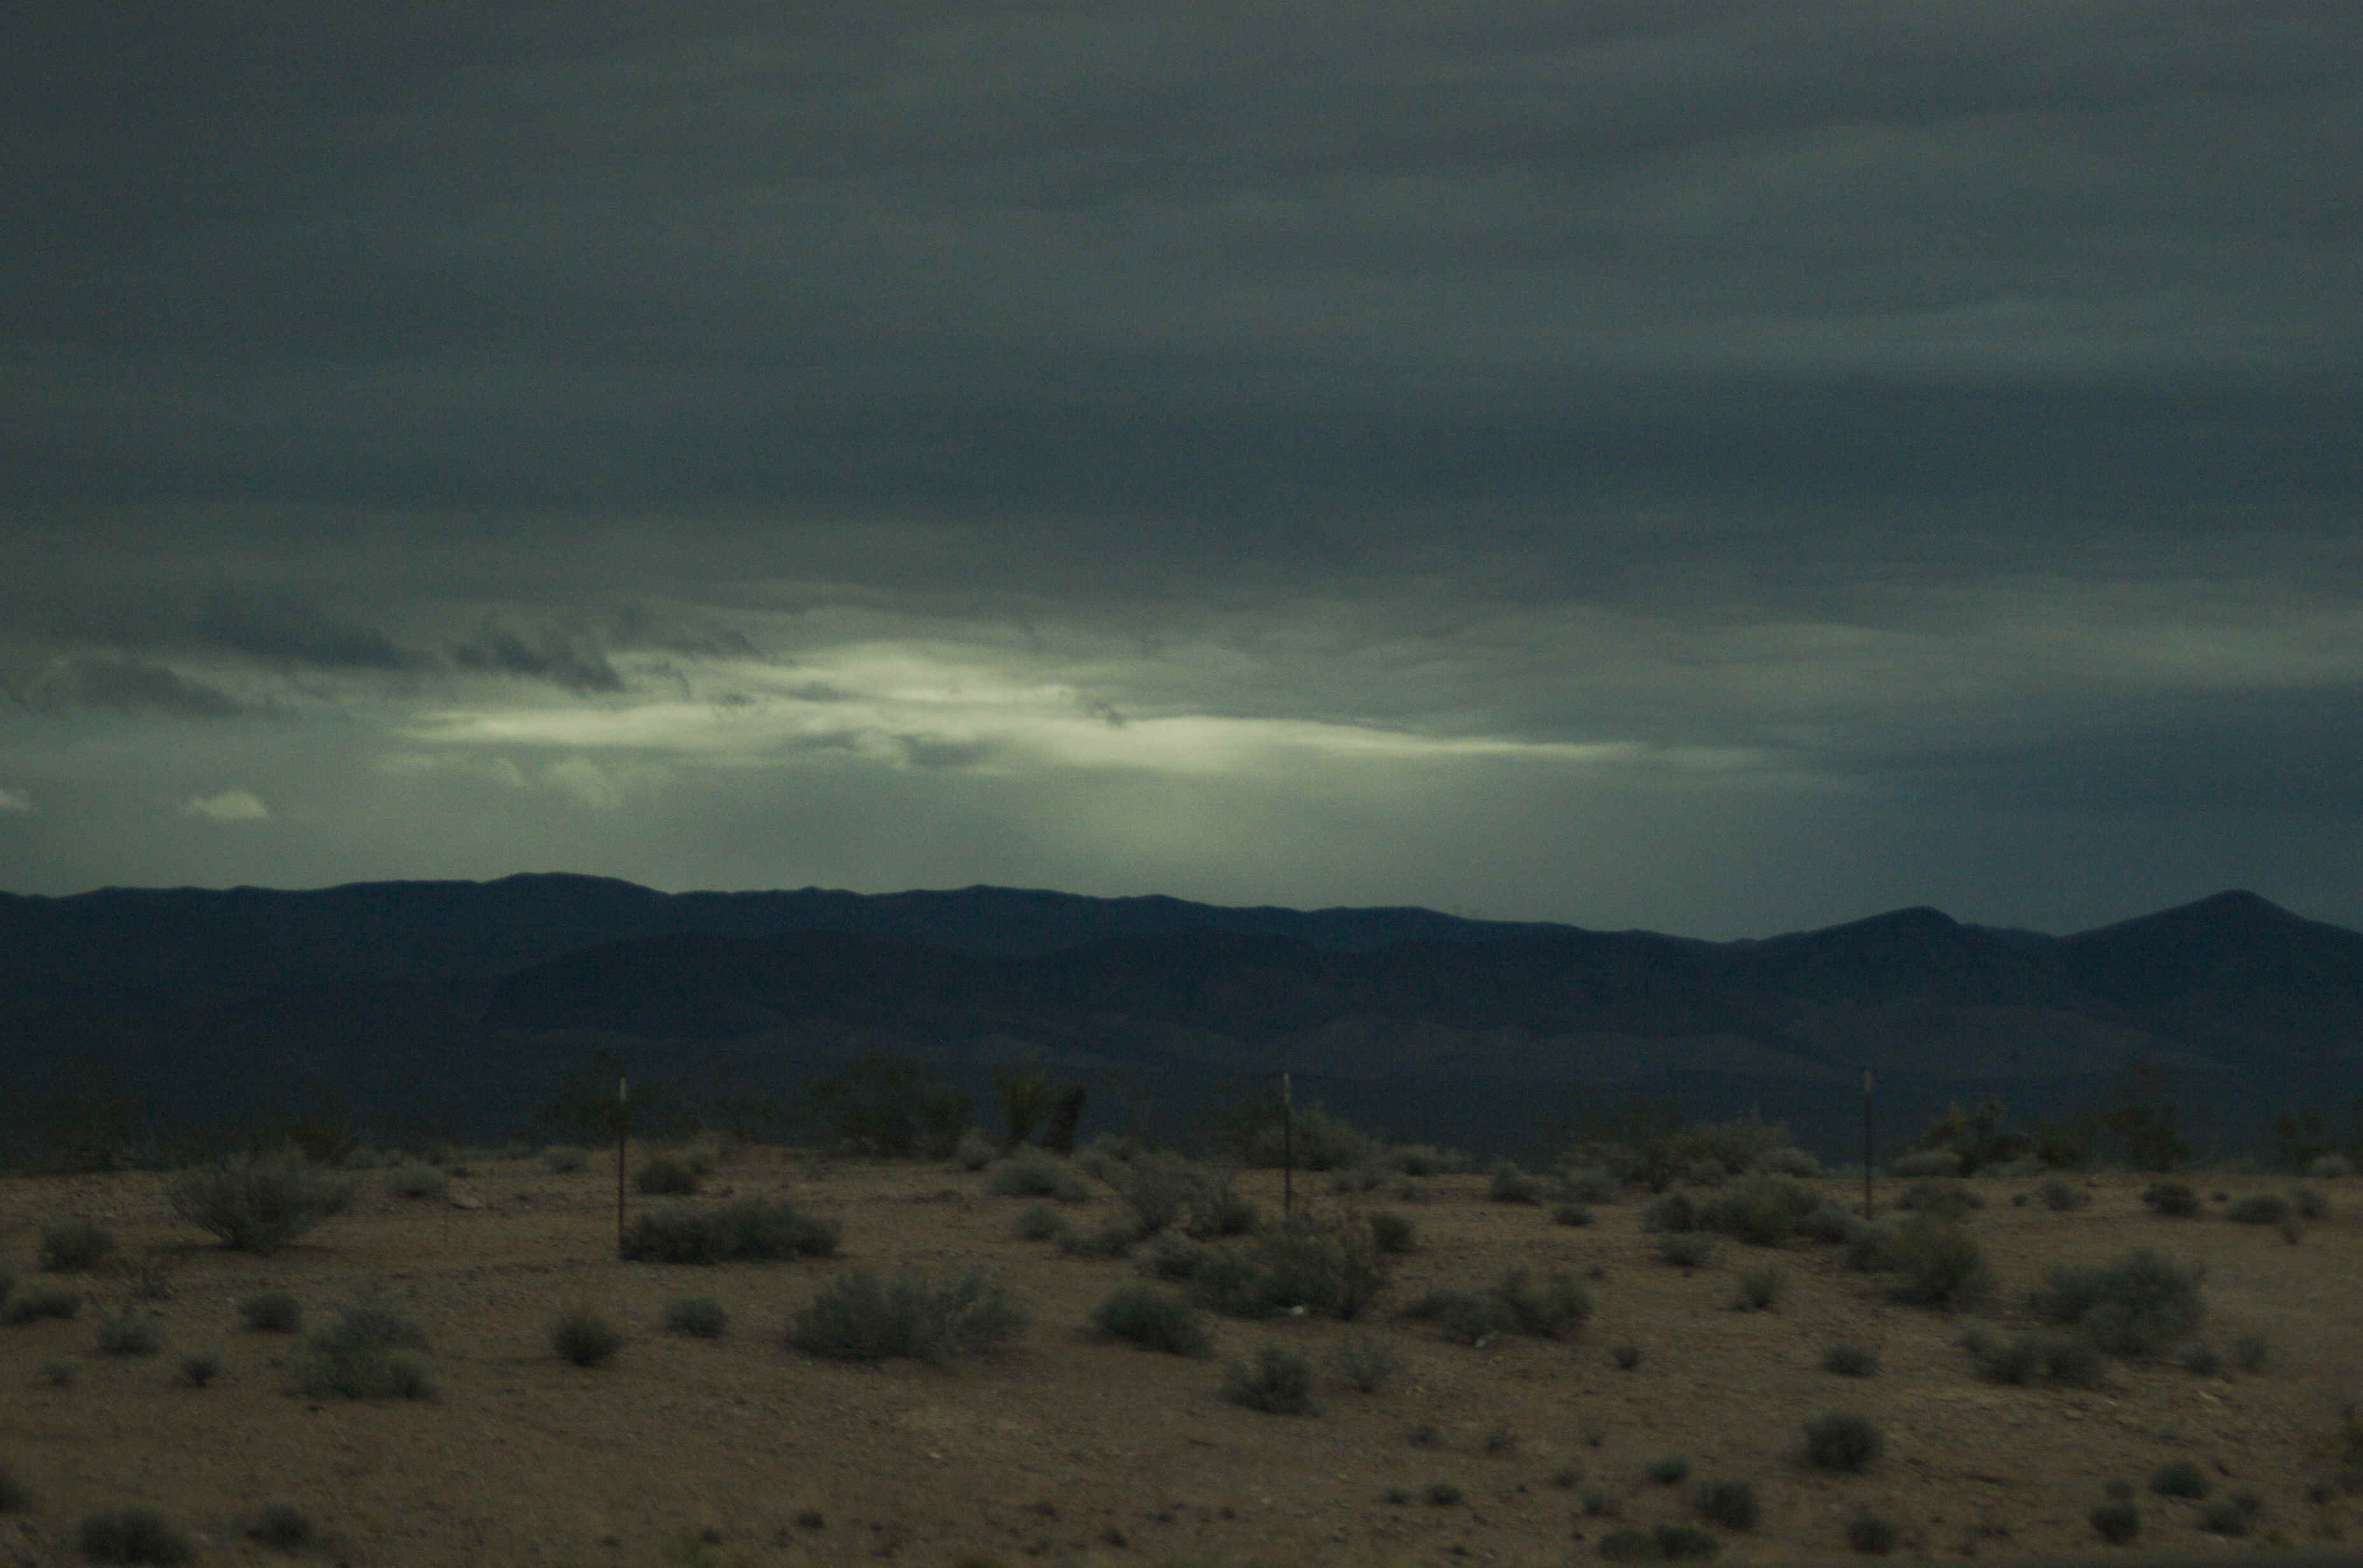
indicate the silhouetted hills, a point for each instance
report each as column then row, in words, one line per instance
column 492, row 989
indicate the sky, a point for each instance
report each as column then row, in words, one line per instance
column 1721, row 468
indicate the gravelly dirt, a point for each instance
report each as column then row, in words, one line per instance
column 1066, row 1449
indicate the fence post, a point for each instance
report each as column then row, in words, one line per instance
column 623, row 1136
column 1287, row 1150
column 1865, row 1145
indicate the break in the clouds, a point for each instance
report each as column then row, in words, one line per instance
column 1721, row 466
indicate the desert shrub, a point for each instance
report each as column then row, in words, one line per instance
column 58, row 1373
column 2174, row 1199
column 1441, row 1494
column 33, row 1302
column 1761, row 1211
column 282, row 1527
column 1925, row 1163
column 1168, row 1257
column 1038, row 1222
column 2033, row 1358
column 1672, row 1212
column 582, row 1337
column 1549, row 1308
column 1510, row 1184
column 7, row 1283
column 357, row 1356
column 699, row 1315
column 2252, row 1352
column 1760, row 1289
column 2224, row 1518
column 2139, row 1306
column 1317, row 1262
column 2309, row 1204
column 2259, row 1209
column 1731, row 1503
column 1874, row 1247
column 417, row 1182
column 199, row 1369
column 1940, row 1200
column 272, row 1312
column 2116, row 1522
column 1630, row 1546
column 1670, row 1471
column 564, row 1159
column 1872, row 1535
column 74, row 1246
column 1425, row 1159
column 1114, row 1237
column 860, row 1317
column 260, row 1204
column 744, row 1229
column 2201, row 1359
column 1468, row 1316
column 1365, row 1362
column 1392, row 1232
column 1686, row 1249
column 1573, row 1214
column 2060, row 1195
column 1589, row 1185
column 1357, row 1179
column 371, row 1323
column 1277, row 1382
column 1789, row 1161
column 1941, row 1265
column 1826, row 1221
column 665, row 1176
column 1153, row 1319
column 1162, row 1188
column 133, row 1535
column 125, row 1335
column 2330, row 1168
column 1626, row 1357
column 1850, row 1360
column 13, row 1495
column 973, row 1150
column 891, row 1106
column 1031, row 1173
column 1839, row 1439
column 2180, row 1478
column 1677, row 1543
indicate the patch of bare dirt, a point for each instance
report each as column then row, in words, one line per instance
column 740, row 1451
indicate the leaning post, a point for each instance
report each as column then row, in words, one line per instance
column 623, row 1134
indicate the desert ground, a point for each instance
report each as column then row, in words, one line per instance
column 1066, row 1447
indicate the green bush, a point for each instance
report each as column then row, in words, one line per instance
column 1030, row 1173
column 133, row 1535
column 1626, row 1357
column 260, row 1204
column 2259, row 1209
column 1731, row 1503
column 1588, row 1185
column 1872, row 1536
column 2224, row 1518
column 1549, row 1308
column 125, row 1335
column 1312, row 1262
column 665, row 1176
column 282, row 1527
column 1760, row 1289
column 1940, row 1200
column 1153, row 1319
column 197, row 1371
column 1759, row 1211
column 1925, row 1163
column 2252, row 1352
column 1169, row 1257
column 357, row 1357
column 1839, row 1439
column 1670, row 1471
column 1941, row 1264
column 860, row 1317
column 2181, row 1478
column 1466, row 1316
column 2034, row 1359
column 417, row 1182
column 1826, row 1221
column 1441, row 1494
column 1687, row 1248
column 74, row 1246
column 2201, row 1361
column 1392, row 1232
column 744, row 1229
column 1850, row 1360
column 1038, row 1222
column 1510, row 1184
column 2060, row 1196
column 272, row 1312
column 1571, row 1214
column 2309, row 1204
column 584, row 1338
column 31, row 1304
column 1365, row 1362
column 2174, row 1199
column 564, row 1159
column 699, row 1316
column 1672, row 1212
column 2116, row 1523
column 2139, row 1306
column 1278, row 1381
column 1170, row 1193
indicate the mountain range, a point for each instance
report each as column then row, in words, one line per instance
column 466, row 1001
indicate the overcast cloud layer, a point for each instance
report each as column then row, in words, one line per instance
column 1716, row 467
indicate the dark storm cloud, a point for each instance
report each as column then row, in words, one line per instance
column 1945, row 409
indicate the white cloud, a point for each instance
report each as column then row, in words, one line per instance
column 14, row 800
column 230, row 806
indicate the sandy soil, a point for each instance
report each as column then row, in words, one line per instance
column 1066, row 1448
